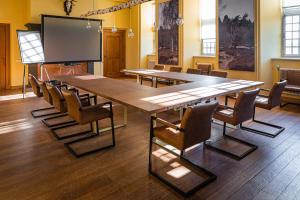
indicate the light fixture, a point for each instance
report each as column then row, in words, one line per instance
column 88, row 26
column 180, row 20
column 130, row 31
column 114, row 28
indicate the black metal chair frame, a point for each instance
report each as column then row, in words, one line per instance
column 264, row 133
column 33, row 112
column 212, row 177
column 92, row 135
column 70, row 123
column 229, row 154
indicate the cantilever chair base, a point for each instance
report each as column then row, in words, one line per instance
column 45, row 121
column 70, row 124
column 35, row 115
column 272, row 135
column 92, row 135
column 229, row 154
column 211, row 177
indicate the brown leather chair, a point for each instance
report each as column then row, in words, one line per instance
column 159, row 67
column 195, row 128
column 292, row 76
column 60, row 105
column 175, row 69
column 40, row 90
column 156, row 67
column 87, row 115
column 205, row 68
column 242, row 111
column 35, row 85
column 268, row 103
column 194, row 71
column 220, row 74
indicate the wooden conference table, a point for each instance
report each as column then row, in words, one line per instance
column 156, row 100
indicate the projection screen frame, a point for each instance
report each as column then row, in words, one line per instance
column 72, row 18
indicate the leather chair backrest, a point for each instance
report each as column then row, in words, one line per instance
column 175, row 69
column 159, row 67
column 73, row 104
column 196, row 123
column 35, row 85
column 219, row 74
column 292, row 76
column 205, row 67
column 275, row 94
column 46, row 93
column 244, row 106
column 194, row 71
column 57, row 98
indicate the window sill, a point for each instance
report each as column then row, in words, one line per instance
column 285, row 58
column 205, row 56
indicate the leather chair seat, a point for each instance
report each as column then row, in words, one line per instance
column 90, row 113
column 225, row 114
column 292, row 88
column 170, row 136
column 262, row 102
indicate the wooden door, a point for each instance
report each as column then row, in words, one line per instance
column 4, row 55
column 114, row 53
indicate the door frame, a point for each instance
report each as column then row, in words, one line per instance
column 124, row 31
column 7, row 55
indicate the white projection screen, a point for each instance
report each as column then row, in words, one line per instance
column 67, row 39
column 31, row 48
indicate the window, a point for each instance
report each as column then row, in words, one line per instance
column 291, row 28
column 208, row 27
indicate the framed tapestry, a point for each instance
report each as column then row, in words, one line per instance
column 168, row 32
column 237, row 35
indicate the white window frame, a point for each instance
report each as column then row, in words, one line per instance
column 294, row 40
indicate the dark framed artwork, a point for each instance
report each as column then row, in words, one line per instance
column 168, row 32
column 237, row 35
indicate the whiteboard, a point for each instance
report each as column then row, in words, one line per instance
column 31, row 47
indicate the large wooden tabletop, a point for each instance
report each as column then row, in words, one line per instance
column 184, row 77
column 155, row 100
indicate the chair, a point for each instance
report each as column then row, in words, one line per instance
column 218, row 74
column 242, row 111
column 194, row 129
column 175, row 69
column 156, row 67
column 38, row 90
column 172, row 69
column 292, row 88
column 205, row 68
column 194, row 71
column 60, row 105
column 268, row 103
column 87, row 115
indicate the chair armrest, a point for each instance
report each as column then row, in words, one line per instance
column 166, row 123
column 96, row 106
column 265, row 96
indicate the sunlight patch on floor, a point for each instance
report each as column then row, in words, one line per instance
column 15, row 125
column 16, row 96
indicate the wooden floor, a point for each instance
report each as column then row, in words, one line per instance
column 34, row 165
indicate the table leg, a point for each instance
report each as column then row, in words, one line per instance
column 154, row 123
column 181, row 113
column 125, row 121
column 138, row 79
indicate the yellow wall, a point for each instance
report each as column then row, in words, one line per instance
column 15, row 13
column 191, row 32
column 147, row 34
